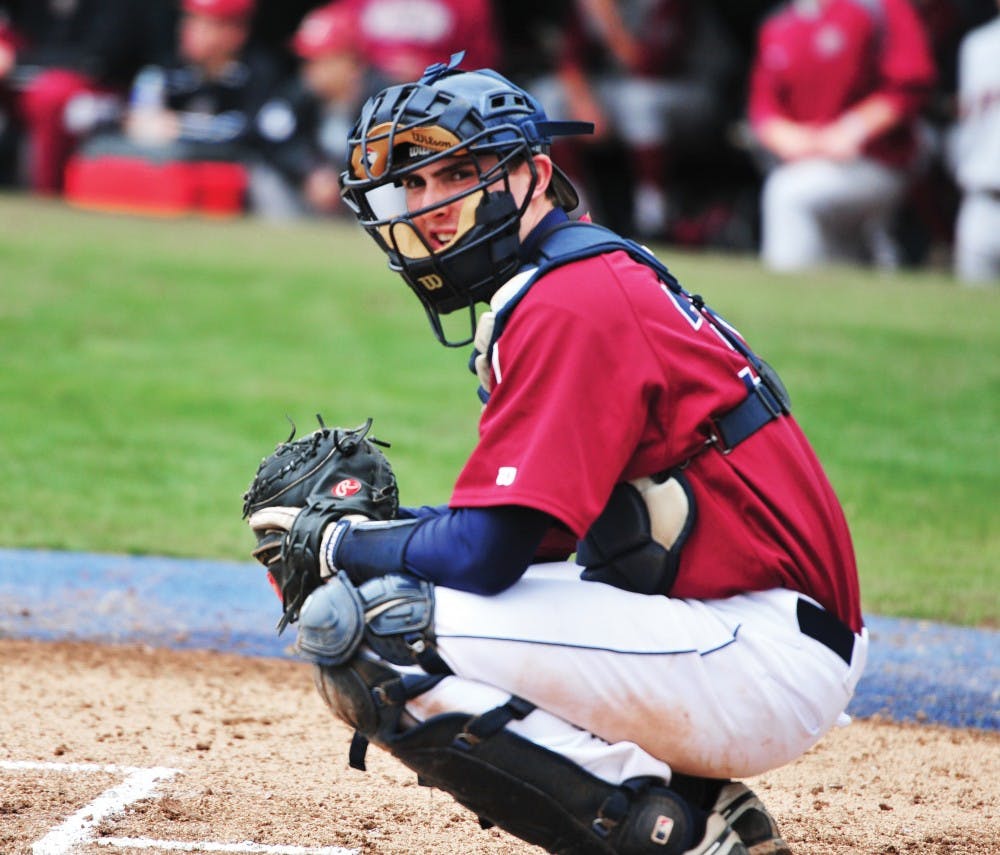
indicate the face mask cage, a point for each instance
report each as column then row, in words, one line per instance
column 378, row 198
column 484, row 252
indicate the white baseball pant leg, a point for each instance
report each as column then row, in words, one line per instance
column 630, row 684
column 977, row 239
column 816, row 212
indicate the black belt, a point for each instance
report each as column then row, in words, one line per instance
column 826, row 629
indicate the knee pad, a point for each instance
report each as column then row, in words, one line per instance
column 331, row 623
column 392, row 614
column 360, row 694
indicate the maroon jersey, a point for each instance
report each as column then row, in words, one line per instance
column 661, row 32
column 601, row 376
column 815, row 61
column 402, row 37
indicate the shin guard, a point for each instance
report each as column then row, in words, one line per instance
column 506, row 780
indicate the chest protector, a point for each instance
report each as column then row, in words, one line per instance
column 635, row 543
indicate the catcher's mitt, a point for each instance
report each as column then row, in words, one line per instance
column 331, row 473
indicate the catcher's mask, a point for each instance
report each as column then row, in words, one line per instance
column 494, row 127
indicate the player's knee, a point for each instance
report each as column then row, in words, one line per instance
column 357, row 692
column 393, row 614
column 790, row 189
column 331, row 623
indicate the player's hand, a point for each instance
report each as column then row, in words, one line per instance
column 789, row 141
column 153, row 127
column 843, row 139
column 270, row 525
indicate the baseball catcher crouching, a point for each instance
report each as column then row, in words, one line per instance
column 379, row 670
column 643, row 586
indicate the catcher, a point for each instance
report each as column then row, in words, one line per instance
column 709, row 627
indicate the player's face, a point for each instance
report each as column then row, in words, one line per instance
column 434, row 184
column 333, row 75
column 450, row 178
column 206, row 40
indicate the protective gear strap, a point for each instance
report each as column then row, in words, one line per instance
column 493, row 721
column 761, row 406
column 358, row 751
column 559, row 241
column 392, row 693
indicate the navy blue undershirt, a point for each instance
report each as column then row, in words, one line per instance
column 482, row 550
column 531, row 241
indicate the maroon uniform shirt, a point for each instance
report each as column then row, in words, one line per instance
column 811, row 67
column 402, row 37
column 601, row 376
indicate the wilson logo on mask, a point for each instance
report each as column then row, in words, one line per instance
column 431, row 282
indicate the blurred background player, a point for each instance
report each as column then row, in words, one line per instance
column 8, row 130
column 976, row 156
column 219, row 81
column 303, row 129
column 68, row 66
column 836, row 91
column 197, row 108
column 402, row 37
column 647, row 75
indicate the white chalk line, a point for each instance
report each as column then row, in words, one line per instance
column 178, row 846
column 78, row 829
column 140, row 783
column 35, row 766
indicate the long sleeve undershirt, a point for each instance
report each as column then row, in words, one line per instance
column 480, row 550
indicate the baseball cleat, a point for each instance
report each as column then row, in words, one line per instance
column 748, row 817
column 719, row 839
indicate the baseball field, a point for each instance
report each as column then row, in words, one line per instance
column 147, row 365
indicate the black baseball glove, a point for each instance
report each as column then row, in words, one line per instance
column 302, row 487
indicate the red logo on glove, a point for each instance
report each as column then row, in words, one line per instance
column 345, row 488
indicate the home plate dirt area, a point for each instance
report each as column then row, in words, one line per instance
column 128, row 749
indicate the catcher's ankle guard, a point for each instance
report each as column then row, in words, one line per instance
column 392, row 614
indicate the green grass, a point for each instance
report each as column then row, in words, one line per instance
column 146, row 366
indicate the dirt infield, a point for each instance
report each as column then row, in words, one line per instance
column 129, row 749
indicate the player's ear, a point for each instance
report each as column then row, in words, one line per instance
column 543, row 168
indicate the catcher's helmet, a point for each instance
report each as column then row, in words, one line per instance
column 450, row 112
